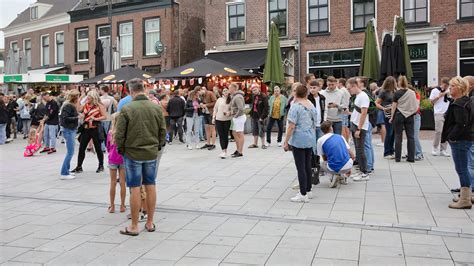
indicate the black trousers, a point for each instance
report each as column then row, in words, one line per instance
column 360, row 148
column 401, row 123
column 303, row 160
column 176, row 127
column 272, row 121
column 223, row 128
column 86, row 136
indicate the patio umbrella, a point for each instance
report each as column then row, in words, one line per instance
column 273, row 72
column 387, row 66
column 370, row 65
column 118, row 76
column 99, row 58
column 400, row 28
column 204, row 67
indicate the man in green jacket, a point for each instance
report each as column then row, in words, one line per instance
column 140, row 135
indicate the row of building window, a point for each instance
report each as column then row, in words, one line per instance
column 44, row 49
column 151, row 32
column 413, row 11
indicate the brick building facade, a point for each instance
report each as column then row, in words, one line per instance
column 328, row 35
column 176, row 25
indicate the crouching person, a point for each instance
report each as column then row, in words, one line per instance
column 336, row 153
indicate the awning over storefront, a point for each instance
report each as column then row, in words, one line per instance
column 41, row 78
column 248, row 60
column 45, row 70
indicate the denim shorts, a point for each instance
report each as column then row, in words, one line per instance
column 139, row 173
column 345, row 120
column 116, row 166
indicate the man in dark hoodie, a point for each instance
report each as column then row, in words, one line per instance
column 51, row 122
column 259, row 113
column 175, row 110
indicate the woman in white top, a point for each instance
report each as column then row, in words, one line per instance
column 222, row 121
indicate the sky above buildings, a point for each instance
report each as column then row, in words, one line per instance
column 9, row 9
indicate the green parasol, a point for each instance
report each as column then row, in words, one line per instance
column 400, row 28
column 273, row 72
column 370, row 65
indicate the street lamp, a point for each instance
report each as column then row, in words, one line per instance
column 92, row 4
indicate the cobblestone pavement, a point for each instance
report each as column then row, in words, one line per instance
column 236, row 211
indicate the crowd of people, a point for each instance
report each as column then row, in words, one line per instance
column 322, row 119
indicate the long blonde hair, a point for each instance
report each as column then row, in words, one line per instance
column 112, row 126
column 94, row 98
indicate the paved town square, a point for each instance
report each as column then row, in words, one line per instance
column 234, row 211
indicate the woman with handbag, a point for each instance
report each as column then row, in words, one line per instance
column 69, row 120
column 301, row 135
column 93, row 112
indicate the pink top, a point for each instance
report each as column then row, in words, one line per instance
column 114, row 157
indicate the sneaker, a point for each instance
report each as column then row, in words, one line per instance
column 419, row 158
column 404, row 156
column 300, row 198
column 389, row 157
column 235, row 152
column 237, row 155
column 53, row 150
column 190, row 147
column 333, row 182
column 279, row 144
column 77, row 170
column 355, row 174
column 211, row 147
column 45, row 150
column 223, row 155
column 362, row 177
column 309, row 194
column 205, row 146
column 435, row 153
column 445, row 154
column 268, row 144
column 296, row 186
column 67, row 177
column 100, row 169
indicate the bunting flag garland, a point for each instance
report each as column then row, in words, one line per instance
column 175, row 82
column 183, row 82
column 191, row 82
column 200, row 80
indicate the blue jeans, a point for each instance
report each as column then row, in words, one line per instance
column 106, row 127
column 461, row 156
column 69, row 136
column 140, row 172
column 418, row 150
column 389, row 141
column 3, row 133
column 201, row 129
column 50, row 132
column 337, row 127
column 369, row 150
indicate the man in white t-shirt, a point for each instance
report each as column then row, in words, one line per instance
column 359, row 127
column 439, row 99
column 336, row 153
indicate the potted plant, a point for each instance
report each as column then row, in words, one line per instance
column 426, row 109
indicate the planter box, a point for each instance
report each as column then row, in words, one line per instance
column 427, row 120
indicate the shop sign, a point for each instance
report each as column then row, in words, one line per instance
column 418, row 51
column 12, row 78
column 57, row 78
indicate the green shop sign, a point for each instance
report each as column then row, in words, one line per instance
column 12, row 78
column 57, row 78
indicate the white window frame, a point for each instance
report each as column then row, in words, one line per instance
column 268, row 20
column 152, row 31
column 77, row 46
column 56, row 47
column 332, row 50
column 41, row 49
column 24, row 49
column 11, row 45
column 31, row 12
column 128, row 34
column 352, row 14
column 458, row 54
column 227, row 20
column 428, row 18
column 98, row 32
column 307, row 18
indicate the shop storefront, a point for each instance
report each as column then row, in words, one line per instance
column 343, row 63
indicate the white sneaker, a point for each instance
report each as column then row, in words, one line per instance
column 333, row 182
column 309, row 194
column 296, row 186
column 445, row 154
column 300, row 198
column 67, row 177
column 223, row 155
column 435, row 153
column 361, row 177
column 279, row 144
column 355, row 174
column 389, row 157
column 190, row 147
column 268, row 144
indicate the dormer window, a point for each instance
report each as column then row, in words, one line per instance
column 34, row 12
